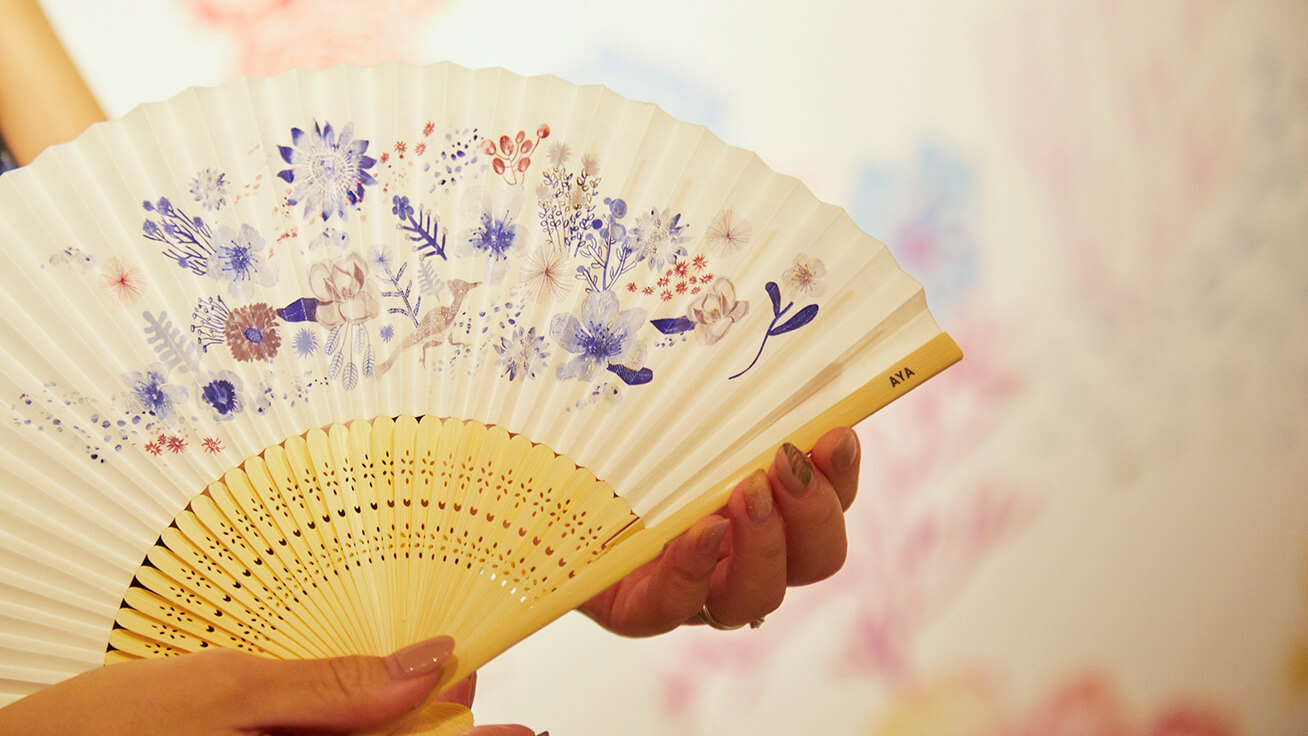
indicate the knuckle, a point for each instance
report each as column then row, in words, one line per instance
column 818, row 567
column 349, row 676
column 772, row 546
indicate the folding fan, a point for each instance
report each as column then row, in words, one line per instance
column 332, row 362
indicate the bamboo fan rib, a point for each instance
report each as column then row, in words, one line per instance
column 364, row 538
column 331, row 362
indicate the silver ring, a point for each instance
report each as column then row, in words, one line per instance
column 707, row 617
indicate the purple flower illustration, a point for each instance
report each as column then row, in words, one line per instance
column 659, row 237
column 603, row 336
column 400, row 206
column 493, row 236
column 328, row 171
column 522, row 354
column 240, row 259
column 221, row 392
column 209, row 188
column 150, row 393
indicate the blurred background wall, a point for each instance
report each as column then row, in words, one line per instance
column 1097, row 524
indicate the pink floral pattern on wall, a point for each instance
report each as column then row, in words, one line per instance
column 1088, row 703
column 271, row 36
column 1115, row 114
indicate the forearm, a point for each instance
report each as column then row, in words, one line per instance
column 43, row 100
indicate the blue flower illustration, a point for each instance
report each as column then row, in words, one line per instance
column 523, row 353
column 222, row 394
column 381, row 258
column 659, row 239
column 331, row 238
column 305, row 343
column 329, row 172
column 240, row 260
column 209, row 188
column 493, row 236
column 603, row 336
column 148, row 392
column 400, row 207
column 387, row 333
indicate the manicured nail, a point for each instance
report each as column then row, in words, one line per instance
column 423, row 658
column 758, row 496
column 711, row 538
column 794, row 469
column 846, row 455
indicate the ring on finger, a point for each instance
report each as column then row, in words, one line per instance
column 707, row 617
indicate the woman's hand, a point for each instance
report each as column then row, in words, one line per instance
column 780, row 528
column 229, row 693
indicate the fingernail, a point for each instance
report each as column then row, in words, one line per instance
column 500, row 729
column 794, row 469
column 711, row 538
column 423, row 658
column 758, row 496
column 846, row 455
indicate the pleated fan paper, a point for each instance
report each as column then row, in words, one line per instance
column 333, row 362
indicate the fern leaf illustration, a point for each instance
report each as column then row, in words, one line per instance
column 428, row 281
column 173, row 350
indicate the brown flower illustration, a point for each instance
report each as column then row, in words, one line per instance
column 805, row 276
column 343, row 291
column 717, row 310
column 251, row 333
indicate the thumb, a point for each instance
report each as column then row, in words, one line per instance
column 345, row 693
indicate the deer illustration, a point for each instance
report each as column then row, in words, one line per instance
column 431, row 329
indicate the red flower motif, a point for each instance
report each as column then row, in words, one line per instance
column 663, row 282
column 647, row 290
column 176, row 444
column 512, row 157
column 385, row 157
column 154, row 448
column 681, row 287
column 400, row 148
column 212, row 445
column 122, row 281
column 631, row 286
column 428, row 128
column 681, row 268
column 701, row 261
column 666, row 295
column 420, row 149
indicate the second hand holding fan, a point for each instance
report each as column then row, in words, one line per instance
column 457, row 384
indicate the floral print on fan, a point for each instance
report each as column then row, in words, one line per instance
column 239, row 259
column 512, row 156
column 251, row 333
column 329, row 171
column 603, row 337
column 717, row 310
column 221, row 392
column 209, row 188
column 343, row 292
column 149, row 392
column 546, row 277
column 803, row 278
